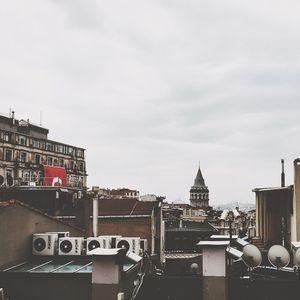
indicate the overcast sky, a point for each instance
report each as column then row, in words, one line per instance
column 150, row 88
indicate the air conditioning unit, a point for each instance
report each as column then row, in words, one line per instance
column 70, row 246
column 44, row 243
column 132, row 244
column 144, row 245
column 111, row 240
column 96, row 242
column 60, row 234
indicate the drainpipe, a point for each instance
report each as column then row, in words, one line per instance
column 95, row 217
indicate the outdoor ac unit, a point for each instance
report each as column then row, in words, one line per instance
column 132, row 244
column 96, row 242
column 60, row 234
column 70, row 246
column 144, row 245
column 111, row 240
column 44, row 243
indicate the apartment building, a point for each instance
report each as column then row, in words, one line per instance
column 29, row 158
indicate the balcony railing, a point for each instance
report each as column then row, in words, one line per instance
column 40, row 182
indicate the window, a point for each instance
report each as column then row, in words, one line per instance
column 26, row 176
column 71, row 151
column 71, row 164
column 49, row 146
column 8, row 155
column 59, row 148
column 55, row 162
column 37, row 159
column 49, row 161
column 61, row 162
column 6, row 136
column 23, row 156
column 81, row 166
column 64, row 149
column 80, row 153
column 22, row 140
column 36, row 143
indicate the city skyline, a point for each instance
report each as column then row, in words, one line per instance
column 150, row 88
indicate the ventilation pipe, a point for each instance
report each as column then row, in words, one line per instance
column 13, row 117
column 95, row 217
column 282, row 174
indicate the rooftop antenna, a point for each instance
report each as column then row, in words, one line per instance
column 282, row 174
column 9, row 112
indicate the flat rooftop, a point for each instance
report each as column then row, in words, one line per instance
column 57, row 265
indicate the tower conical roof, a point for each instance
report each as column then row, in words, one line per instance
column 199, row 180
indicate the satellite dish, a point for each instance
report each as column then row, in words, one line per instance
column 297, row 258
column 278, row 256
column 251, row 256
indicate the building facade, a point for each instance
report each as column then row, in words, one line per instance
column 29, row 158
column 122, row 193
column 199, row 193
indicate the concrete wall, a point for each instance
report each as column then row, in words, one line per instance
column 214, row 261
column 215, row 288
column 17, row 224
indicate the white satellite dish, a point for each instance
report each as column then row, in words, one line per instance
column 251, row 256
column 297, row 258
column 278, row 256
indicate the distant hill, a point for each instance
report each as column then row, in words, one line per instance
column 234, row 204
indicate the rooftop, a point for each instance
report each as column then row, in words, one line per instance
column 109, row 207
column 13, row 202
column 269, row 189
column 58, row 265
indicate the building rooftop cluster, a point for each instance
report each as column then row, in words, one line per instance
column 62, row 240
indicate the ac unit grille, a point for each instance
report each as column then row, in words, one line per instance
column 39, row 244
column 93, row 245
column 123, row 244
column 66, row 246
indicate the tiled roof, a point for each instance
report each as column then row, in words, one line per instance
column 108, row 207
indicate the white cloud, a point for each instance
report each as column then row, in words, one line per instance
column 151, row 87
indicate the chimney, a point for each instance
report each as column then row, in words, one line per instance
column 282, row 173
column 13, row 117
column 95, row 217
